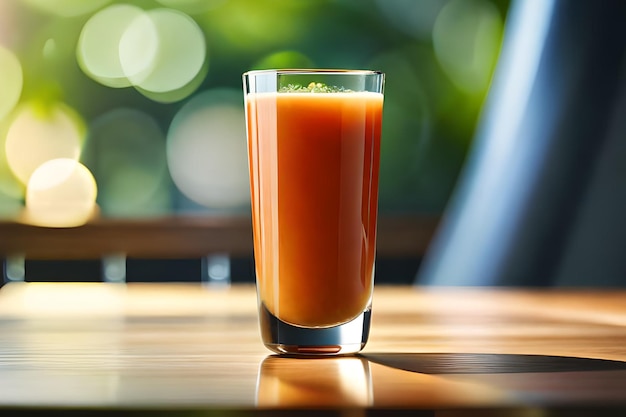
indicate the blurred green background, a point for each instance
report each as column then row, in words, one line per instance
column 147, row 93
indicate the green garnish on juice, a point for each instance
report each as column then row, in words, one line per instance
column 313, row 87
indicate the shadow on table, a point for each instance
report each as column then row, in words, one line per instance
column 487, row 363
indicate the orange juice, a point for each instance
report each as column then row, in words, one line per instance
column 314, row 166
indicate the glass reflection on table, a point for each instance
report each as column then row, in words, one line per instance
column 316, row 382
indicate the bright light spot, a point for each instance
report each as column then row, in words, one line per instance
column 10, row 186
column 98, row 49
column 138, row 48
column 343, row 381
column 206, row 150
column 191, row 6
column 67, row 8
column 10, row 81
column 49, row 48
column 181, row 50
column 68, row 300
column 126, row 151
column 466, row 39
column 354, row 380
column 38, row 134
column 179, row 93
column 161, row 52
column 284, row 59
column 60, row 193
column 415, row 18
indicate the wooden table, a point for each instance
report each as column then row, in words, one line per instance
column 183, row 349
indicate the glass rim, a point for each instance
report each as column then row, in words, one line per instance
column 308, row 71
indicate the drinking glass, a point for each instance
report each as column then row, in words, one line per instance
column 313, row 149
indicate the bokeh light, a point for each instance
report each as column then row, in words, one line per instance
column 179, row 55
column 98, row 49
column 40, row 132
column 11, row 80
column 206, row 150
column 131, row 70
column 50, row 48
column 60, row 193
column 11, row 189
column 66, row 8
column 180, row 93
column 466, row 39
column 138, row 48
column 125, row 150
column 161, row 52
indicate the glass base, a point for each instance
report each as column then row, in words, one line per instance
column 284, row 338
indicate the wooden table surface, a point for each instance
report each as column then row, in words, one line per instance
column 185, row 349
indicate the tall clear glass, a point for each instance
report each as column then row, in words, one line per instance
column 313, row 147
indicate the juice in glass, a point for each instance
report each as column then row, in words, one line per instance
column 314, row 168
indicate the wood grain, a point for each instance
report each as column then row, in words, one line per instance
column 191, row 347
